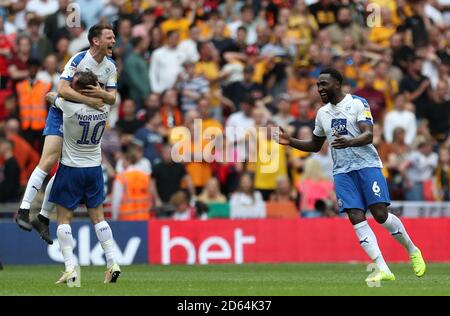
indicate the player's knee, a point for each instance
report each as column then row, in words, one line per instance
column 380, row 214
column 355, row 216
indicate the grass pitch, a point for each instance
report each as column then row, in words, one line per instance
column 227, row 280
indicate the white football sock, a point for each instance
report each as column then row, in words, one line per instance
column 33, row 186
column 48, row 206
column 394, row 226
column 64, row 234
column 369, row 243
column 104, row 235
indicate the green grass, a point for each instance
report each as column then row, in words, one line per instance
column 217, row 280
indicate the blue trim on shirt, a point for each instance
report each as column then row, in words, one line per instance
column 366, row 121
column 78, row 58
column 112, row 60
column 66, row 78
column 364, row 101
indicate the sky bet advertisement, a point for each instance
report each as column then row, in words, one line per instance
column 21, row 247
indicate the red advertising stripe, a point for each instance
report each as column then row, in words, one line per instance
column 280, row 240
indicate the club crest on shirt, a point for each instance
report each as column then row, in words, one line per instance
column 339, row 127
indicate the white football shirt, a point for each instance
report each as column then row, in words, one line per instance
column 106, row 71
column 83, row 129
column 343, row 119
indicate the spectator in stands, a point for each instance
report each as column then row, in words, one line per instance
column 9, row 173
column 246, row 202
column 132, row 192
column 345, row 25
column 18, row 64
column 168, row 177
column 325, row 160
column 400, row 117
column 297, row 157
column 442, row 175
column 283, row 118
column 283, row 191
column 151, row 138
column 313, row 186
column 91, row 11
column 79, row 39
column 56, row 21
column 419, row 168
column 211, row 193
column 247, row 20
column 33, row 105
column 128, row 124
column 374, row 97
column 180, row 203
column 134, row 157
column 189, row 46
column 50, row 72
column 152, row 103
column 177, row 22
column 192, row 87
column 325, row 12
column 170, row 114
column 124, row 46
column 25, row 155
column 40, row 45
column 438, row 112
column 416, row 87
column 136, row 71
column 166, row 64
column 42, row 8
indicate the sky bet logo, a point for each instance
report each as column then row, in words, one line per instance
column 339, row 127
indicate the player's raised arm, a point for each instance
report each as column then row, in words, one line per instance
column 311, row 145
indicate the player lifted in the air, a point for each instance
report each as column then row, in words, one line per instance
column 98, row 60
column 346, row 122
column 79, row 177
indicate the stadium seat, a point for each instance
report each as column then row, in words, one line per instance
column 219, row 210
column 281, row 210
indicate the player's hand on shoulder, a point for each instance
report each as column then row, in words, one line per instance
column 340, row 142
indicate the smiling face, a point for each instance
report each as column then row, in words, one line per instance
column 106, row 42
column 328, row 88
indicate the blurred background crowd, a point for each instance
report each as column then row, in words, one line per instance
column 234, row 63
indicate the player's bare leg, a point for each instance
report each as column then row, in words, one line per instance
column 395, row 227
column 50, row 155
column 368, row 242
column 105, row 237
column 66, row 244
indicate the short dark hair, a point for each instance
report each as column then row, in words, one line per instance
column 334, row 73
column 34, row 62
column 84, row 79
column 96, row 31
column 135, row 41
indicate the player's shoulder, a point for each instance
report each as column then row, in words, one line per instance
column 77, row 58
column 323, row 110
column 356, row 99
column 111, row 61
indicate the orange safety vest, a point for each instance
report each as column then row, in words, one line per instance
column 32, row 103
column 135, row 204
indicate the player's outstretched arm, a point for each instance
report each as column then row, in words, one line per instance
column 311, row 145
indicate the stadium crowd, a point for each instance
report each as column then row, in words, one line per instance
column 235, row 64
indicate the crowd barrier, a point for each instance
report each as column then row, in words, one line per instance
column 227, row 241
